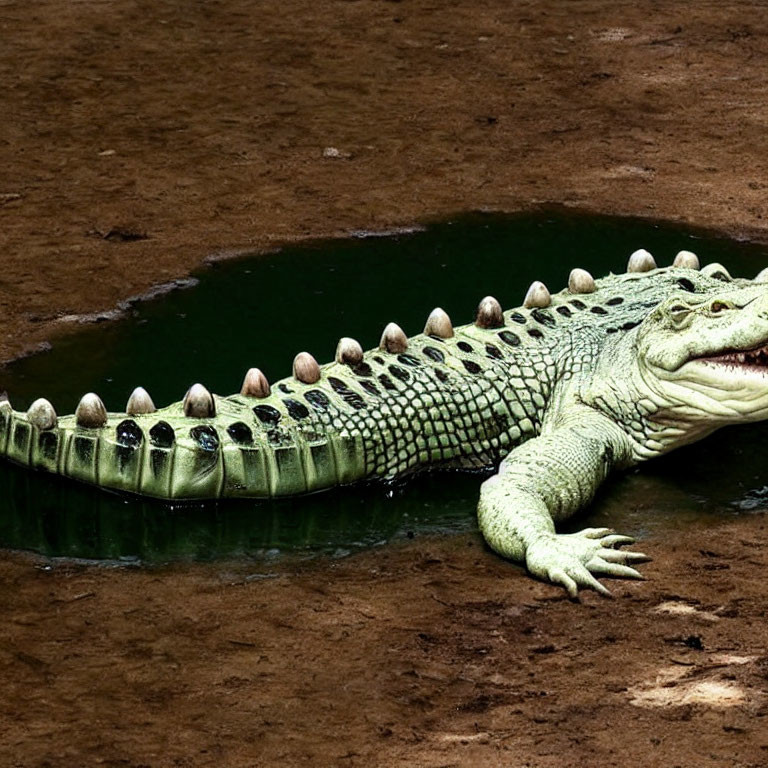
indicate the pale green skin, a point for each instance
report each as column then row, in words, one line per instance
column 562, row 409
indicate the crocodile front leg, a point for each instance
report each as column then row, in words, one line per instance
column 547, row 479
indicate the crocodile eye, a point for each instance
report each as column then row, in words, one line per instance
column 718, row 306
column 679, row 313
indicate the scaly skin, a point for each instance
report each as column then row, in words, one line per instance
column 564, row 390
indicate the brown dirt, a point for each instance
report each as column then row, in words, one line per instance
column 138, row 138
column 424, row 653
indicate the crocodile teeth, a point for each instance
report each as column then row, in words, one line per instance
column 580, row 281
column 438, row 324
column 641, row 261
column 717, row 271
column 753, row 357
column 537, row 296
column 139, row 402
column 255, row 384
column 349, row 351
column 687, row 260
column 393, row 339
column 42, row 415
column 762, row 276
column 489, row 314
column 198, row 403
column 305, row 368
column 90, row 411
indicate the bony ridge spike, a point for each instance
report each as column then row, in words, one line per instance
column 393, row 339
column 90, row 412
column 198, row 403
column 305, row 368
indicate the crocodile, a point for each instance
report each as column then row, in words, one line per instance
column 554, row 394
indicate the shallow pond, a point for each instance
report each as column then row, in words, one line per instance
column 261, row 310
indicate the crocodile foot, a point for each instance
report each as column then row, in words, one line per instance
column 570, row 559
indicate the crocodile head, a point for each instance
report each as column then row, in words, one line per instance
column 702, row 356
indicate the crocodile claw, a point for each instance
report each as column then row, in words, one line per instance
column 570, row 560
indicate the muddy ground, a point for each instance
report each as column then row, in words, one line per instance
column 139, row 138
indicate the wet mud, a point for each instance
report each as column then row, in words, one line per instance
column 428, row 652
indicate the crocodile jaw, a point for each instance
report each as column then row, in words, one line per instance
column 751, row 359
column 716, row 390
column 734, row 370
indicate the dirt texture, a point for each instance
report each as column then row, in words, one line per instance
column 140, row 138
column 423, row 653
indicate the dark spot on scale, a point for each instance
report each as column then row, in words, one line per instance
column 296, row 409
column 516, row 317
column 284, row 389
column 399, row 373
column 83, row 449
column 128, row 434
column 162, row 435
column 630, row 326
column 536, row 333
column 275, row 437
column 611, row 330
column 356, row 401
column 370, row 387
column 493, row 352
column 267, row 414
column 464, row 347
column 472, row 366
column 564, row 311
column 578, row 304
column 434, row 354
column 338, row 385
column 206, row 437
column 362, row 369
column 20, row 436
column 386, row 382
column 437, row 338
column 615, row 301
column 597, row 310
column 512, row 339
column 348, row 395
column 240, row 433
column 543, row 317
column 441, row 375
column 317, row 399
column 378, row 359
column 48, row 443
column 686, row 285
column 158, row 461
column 408, row 360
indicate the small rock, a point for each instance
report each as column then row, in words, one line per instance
column 334, row 153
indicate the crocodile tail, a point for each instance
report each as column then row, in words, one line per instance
column 142, row 453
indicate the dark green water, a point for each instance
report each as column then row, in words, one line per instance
column 260, row 311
